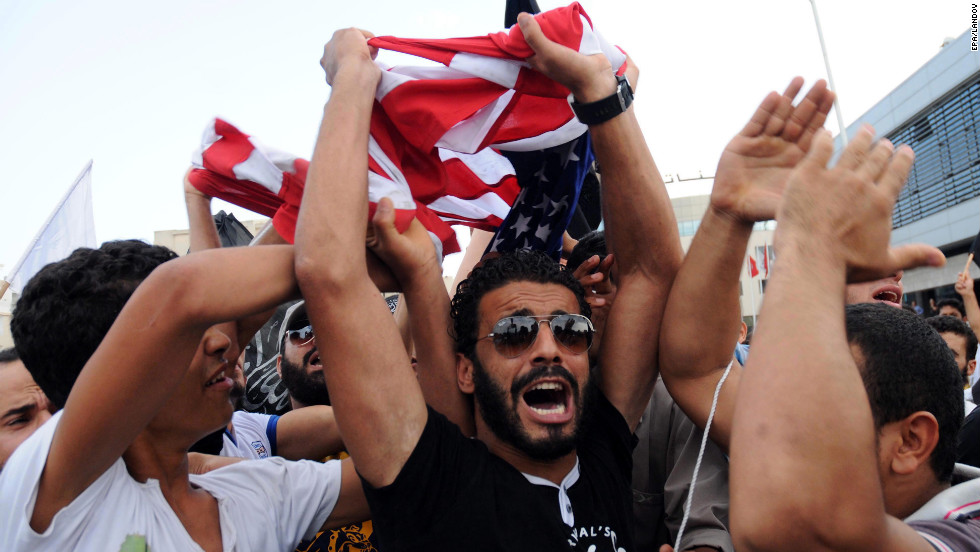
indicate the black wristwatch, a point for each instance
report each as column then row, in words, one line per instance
column 601, row 111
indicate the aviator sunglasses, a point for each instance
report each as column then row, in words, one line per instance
column 301, row 336
column 515, row 334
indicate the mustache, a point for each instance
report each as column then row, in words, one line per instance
column 309, row 354
column 541, row 372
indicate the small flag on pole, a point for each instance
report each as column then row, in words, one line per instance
column 765, row 259
column 973, row 253
column 753, row 268
column 71, row 225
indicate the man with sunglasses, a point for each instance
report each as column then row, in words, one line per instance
column 549, row 468
column 299, row 363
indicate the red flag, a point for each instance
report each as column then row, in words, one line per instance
column 765, row 259
column 477, row 189
column 753, row 269
column 434, row 132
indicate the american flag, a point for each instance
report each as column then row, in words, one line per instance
column 437, row 133
column 551, row 182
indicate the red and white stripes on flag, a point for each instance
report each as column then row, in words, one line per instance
column 434, row 132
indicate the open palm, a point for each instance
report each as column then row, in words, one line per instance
column 755, row 165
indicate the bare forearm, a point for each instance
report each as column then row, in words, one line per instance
column 703, row 309
column 801, row 344
column 343, row 136
column 203, row 234
column 972, row 309
column 428, row 309
column 640, row 225
column 642, row 233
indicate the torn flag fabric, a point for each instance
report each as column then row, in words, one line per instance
column 435, row 132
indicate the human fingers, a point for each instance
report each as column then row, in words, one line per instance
column 819, row 118
column 777, row 122
column 345, row 44
column 877, row 160
column 595, row 301
column 804, row 112
column 761, row 116
column 382, row 224
column 897, row 171
column 586, row 268
column 546, row 52
column 368, row 35
column 915, row 255
column 793, row 88
column 821, row 151
column 605, row 268
column 784, row 108
column 857, row 150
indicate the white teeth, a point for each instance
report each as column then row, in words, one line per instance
column 547, row 386
column 560, row 409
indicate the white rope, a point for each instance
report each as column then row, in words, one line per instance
column 697, row 465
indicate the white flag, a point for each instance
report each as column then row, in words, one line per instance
column 70, row 226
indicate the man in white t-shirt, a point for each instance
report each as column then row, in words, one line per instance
column 141, row 374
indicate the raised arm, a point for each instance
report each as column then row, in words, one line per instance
column 964, row 286
column 703, row 308
column 412, row 259
column 640, row 226
column 204, row 235
column 145, row 355
column 804, row 473
column 376, row 398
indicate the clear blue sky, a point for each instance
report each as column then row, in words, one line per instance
column 132, row 84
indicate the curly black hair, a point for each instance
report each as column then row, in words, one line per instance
column 593, row 243
column 907, row 368
column 951, row 302
column 515, row 266
column 951, row 324
column 68, row 307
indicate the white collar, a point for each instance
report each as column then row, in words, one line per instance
column 564, row 503
column 955, row 503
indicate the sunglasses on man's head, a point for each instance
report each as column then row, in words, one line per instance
column 515, row 334
column 301, row 336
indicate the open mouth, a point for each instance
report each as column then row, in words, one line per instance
column 548, row 398
column 888, row 294
column 315, row 360
column 217, row 379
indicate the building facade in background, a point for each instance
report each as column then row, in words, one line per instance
column 936, row 112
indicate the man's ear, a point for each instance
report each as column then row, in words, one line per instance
column 919, row 433
column 279, row 365
column 464, row 373
column 971, row 366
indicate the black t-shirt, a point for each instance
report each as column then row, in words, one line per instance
column 453, row 494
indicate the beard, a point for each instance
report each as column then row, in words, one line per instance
column 307, row 388
column 503, row 420
column 237, row 396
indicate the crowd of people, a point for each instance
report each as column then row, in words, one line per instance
column 595, row 406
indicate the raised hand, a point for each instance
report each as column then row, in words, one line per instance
column 600, row 292
column 755, row 165
column 348, row 45
column 964, row 284
column 406, row 254
column 590, row 78
column 846, row 211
